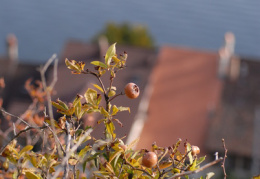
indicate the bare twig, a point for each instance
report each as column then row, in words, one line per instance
column 72, row 150
column 48, row 90
column 66, row 166
column 55, row 137
column 223, row 163
column 115, row 96
column 198, row 170
column 127, row 163
column 7, row 113
column 19, row 133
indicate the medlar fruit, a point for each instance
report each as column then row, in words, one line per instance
column 132, row 90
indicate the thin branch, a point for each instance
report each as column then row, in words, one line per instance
column 223, row 163
column 98, row 77
column 127, row 163
column 19, row 133
column 198, row 170
column 48, row 89
column 66, row 166
column 183, row 158
column 7, row 113
column 72, row 150
column 55, row 137
column 121, row 168
column 115, row 96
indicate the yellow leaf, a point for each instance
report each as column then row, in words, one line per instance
column 31, row 175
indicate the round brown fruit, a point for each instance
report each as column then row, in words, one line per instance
column 195, row 150
column 132, row 90
column 149, row 159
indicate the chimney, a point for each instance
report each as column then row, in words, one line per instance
column 229, row 64
column 12, row 47
column 103, row 46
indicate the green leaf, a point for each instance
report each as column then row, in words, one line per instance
column 98, row 87
column 111, row 51
column 31, row 175
column 71, row 64
column 15, row 174
column 83, row 151
column 193, row 166
column 78, row 112
column 200, row 160
column 110, row 129
column 25, row 149
column 120, row 108
column 98, row 63
column 91, row 96
column 114, row 110
column 32, row 159
column 186, row 176
column 111, row 157
column 189, row 154
column 104, row 112
column 58, row 106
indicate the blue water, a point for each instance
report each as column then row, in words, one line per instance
column 43, row 27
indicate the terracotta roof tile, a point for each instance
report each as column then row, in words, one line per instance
column 185, row 86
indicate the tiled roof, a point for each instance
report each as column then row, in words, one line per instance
column 15, row 75
column 185, row 89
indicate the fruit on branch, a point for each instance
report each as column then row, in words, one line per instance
column 195, row 150
column 149, row 159
column 132, row 90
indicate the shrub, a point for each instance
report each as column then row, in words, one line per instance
column 67, row 150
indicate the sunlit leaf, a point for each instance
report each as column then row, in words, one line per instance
column 120, row 108
column 114, row 110
column 111, row 51
column 189, row 154
column 91, row 96
column 31, row 175
column 72, row 64
column 98, row 63
column 193, row 166
column 83, row 151
column 200, row 160
column 78, row 113
column 25, row 149
column 111, row 157
column 109, row 168
column 104, row 112
column 110, row 129
column 98, row 87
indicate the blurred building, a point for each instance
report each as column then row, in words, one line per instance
column 191, row 94
column 140, row 63
column 14, row 74
column 203, row 97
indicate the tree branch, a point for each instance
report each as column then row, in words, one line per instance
column 223, row 163
column 198, row 170
column 19, row 133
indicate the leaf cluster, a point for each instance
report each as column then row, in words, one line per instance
column 68, row 150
